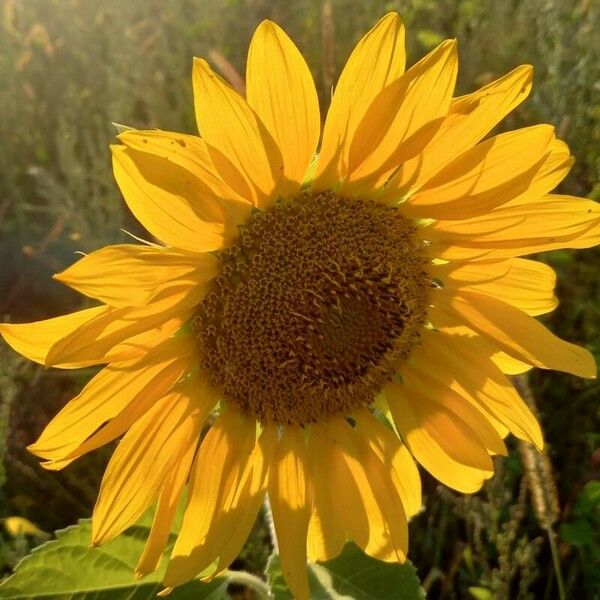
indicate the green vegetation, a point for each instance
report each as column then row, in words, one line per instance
column 69, row 68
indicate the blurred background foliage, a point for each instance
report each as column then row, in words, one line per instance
column 69, row 68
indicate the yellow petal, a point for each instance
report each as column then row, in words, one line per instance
column 191, row 153
column 166, row 199
column 212, row 198
column 280, row 89
column 34, row 340
column 469, row 119
column 445, row 445
column 144, row 459
column 371, row 508
column 235, row 137
column 115, row 387
column 291, row 498
column 392, row 453
column 554, row 168
column 224, row 453
column 484, row 177
column 326, row 534
column 123, row 333
column 436, row 397
column 377, row 60
column 402, row 118
column 525, row 284
column 507, row 364
column 244, row 505
column 418, row 380
column 353, row 505
column 519, row 335
column 464, row 364
column 553, row 223
column 197, row 386
column 165, row 513
column 129, row 275
column 552, row 171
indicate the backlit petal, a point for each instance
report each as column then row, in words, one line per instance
column 469, row 119
column 377, row 60
column 369, row 503
column 525, row 284
column 394, row 455
column 241, row 510
column 124, row 333
column 129, row 275
column 167, row 200
column 518, row 334
column 223, row 455
column 197, row 387
column 115, row 387
column 144, row 459
column 445, row 445
column 235, row 137
column 291, row 498
column 402, row 118
column 34, row 340
column 464, row 364
column 166, row 507
column 219, row 201
column 326, row 534
column 280, row 89
column 552, row 222
column 419, row 382
column 507, row 364
column 484, row 177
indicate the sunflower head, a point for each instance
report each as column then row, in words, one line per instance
column 300, row 276
column 318, row 301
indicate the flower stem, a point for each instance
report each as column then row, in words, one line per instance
column 556, row 563
column 270, row 525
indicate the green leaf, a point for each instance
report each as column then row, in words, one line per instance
column 352, row 576
column 583, row 530
column 588, row 502
column 577, row 533
column 68, row 567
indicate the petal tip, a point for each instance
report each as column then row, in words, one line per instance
column 116, row 150
column 32, row 448
column 200, row 63
column 267, row 24
column 391, row 16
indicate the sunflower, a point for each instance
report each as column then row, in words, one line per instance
column 333, row 317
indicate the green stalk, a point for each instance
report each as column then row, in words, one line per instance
column 556, row 563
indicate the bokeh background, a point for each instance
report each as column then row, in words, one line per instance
column 71, row 68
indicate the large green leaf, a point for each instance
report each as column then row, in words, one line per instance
column 352, row 576
column 68, row 568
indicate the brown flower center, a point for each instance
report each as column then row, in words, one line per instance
column 318, row 301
